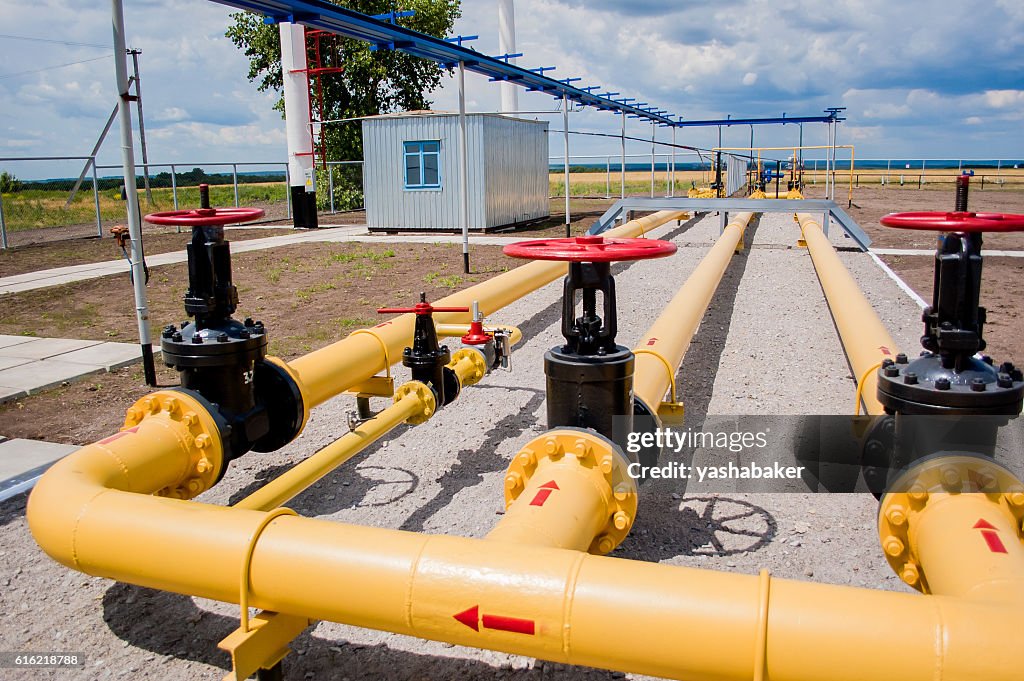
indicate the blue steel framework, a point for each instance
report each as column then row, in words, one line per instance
column 383, row 33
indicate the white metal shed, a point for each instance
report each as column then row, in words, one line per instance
column 411, row 171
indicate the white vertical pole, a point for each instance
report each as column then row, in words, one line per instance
column 463, row 168
column 565, row 130
column 134, row 217
column 297, row 119
column 507, row 45
column 608, row 177
column 672, row 184
column 653, row 161
column 622, row 167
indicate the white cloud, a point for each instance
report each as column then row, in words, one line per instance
column 1003, row 99
column 973, row 120
column 749, row 78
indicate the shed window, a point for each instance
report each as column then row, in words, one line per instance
column 423, row 165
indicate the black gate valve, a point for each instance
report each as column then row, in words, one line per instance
column 948, row 377
column 590, row 378
column 218, row 357
column 427, row 359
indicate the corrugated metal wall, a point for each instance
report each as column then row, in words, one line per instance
column 516, row 170
column 507, row 172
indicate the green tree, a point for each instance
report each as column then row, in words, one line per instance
column 9, row 183
column 373, row 82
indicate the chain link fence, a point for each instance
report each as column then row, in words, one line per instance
column 45, row 199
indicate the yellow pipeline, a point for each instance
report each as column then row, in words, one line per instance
column 865, row 339
column 408, row 405
column 414, row 403
column 334, row 369
column 90, row 512
column 660, row 351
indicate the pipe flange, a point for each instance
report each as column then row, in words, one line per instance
column 593, row 451
column 476, row 357
column 201, row 437
column 943, row 475
column 426, row 397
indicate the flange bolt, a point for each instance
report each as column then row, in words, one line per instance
column 892, row 371
column 942, row 383
column 901, row 358
column 910, row 378
column 1004, row 381
column 978, row 385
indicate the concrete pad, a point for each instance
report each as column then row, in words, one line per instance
column 8, row 362
column 8, row 394
column 18, row 455
column 36, row 376
column 7, row 341
column 44, row 348
column 108, row 356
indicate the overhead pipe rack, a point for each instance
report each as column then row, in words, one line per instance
column 386, row 35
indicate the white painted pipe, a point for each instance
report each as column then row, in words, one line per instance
column 507, row 45
column 296, row 102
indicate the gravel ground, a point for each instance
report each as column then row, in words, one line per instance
column 767, row 346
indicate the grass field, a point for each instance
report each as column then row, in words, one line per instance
column 35, row 208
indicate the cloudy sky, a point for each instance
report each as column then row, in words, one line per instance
column 939, row 79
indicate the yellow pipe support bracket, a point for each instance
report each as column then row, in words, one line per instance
column 952, row 526
column 864, row 337
column 264, row 645
column 243, row 592
column 568, row 489
column 375, row 386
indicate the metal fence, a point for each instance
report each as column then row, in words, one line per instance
column 600, row 175
column 919, row 173
column 58, row 197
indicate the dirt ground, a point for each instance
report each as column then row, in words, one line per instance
column 1002, row 294
column 308, row 296
column 871, row 203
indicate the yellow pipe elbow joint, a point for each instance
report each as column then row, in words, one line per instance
column 170, row 446
column 951, row 526
column 568, row 489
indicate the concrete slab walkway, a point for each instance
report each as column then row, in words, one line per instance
column 29, row 364
column 65, row 275
column 22, row 462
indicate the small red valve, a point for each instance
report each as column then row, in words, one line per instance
column 205, row 217
column 476, row 335
column 590, row 249
column 956, row 222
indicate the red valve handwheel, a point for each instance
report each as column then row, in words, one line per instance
column 590, row 249
column 420, row 309
column 956, row 222
column 205, row 217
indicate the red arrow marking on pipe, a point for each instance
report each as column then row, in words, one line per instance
column 652, row 341
column 885, row 350
column 543, row 493
column 383, row 324
column 471, row 618
column 991, row 535
column 118, row 436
